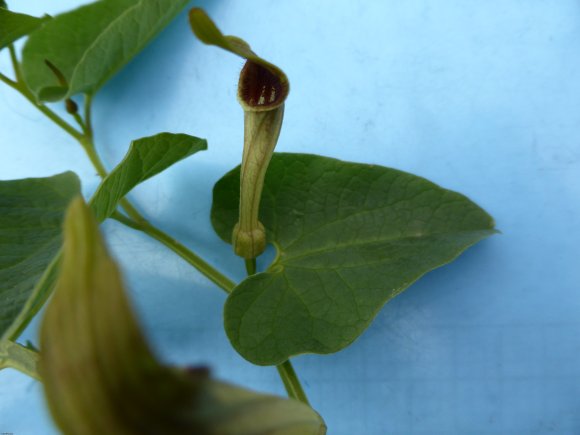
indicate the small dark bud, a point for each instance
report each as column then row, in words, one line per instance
column 71, row 106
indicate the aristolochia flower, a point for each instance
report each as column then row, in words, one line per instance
column 262, row 90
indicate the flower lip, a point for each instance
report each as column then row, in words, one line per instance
column 261, row 89
column 262, row 86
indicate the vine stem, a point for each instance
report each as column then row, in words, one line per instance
column 15, row 64
column 250, row 266
column 16, row 356
column 20, row 86
column 42, row 108
column 291, row 382
column 206, row 269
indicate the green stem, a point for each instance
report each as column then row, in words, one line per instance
column 250, row 266
column 132, row 212
column 291, row 382
column 87, row 140
column 42, row 108
column 7, row 81
column 78, row 118
column 89, row 147
column 16, row 356
column 88, row 106
column 206, row 269
column 15, row 64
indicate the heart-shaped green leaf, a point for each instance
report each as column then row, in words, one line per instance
column 349, row 237
column 14, row 26
column 100, row 376
column 147, row 157
column 31, row 214
column 90, row 44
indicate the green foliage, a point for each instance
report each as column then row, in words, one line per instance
column 92, row 43
column 30, row 236
column 14, row 26
column 24, row 297
column 100, row 376
column 349, row 237
column 147, row 157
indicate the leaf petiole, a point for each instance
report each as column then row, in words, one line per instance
column 20, row 86
column 88, row 106
column 7, row 80
column 21, row 358
column 201, row 265
column 250, row 266
column 15, row 64
column 291, row 382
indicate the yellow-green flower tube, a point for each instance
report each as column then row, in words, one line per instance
column 262, row 90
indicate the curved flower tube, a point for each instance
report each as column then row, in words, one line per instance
column 262, row 91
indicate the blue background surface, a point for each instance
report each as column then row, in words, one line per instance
column 480, row 97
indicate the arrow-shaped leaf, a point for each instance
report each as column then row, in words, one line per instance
column 147, row 157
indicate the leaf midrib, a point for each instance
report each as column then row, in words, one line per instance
column 365, row 211
column 99, row 38
column 286, row 256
